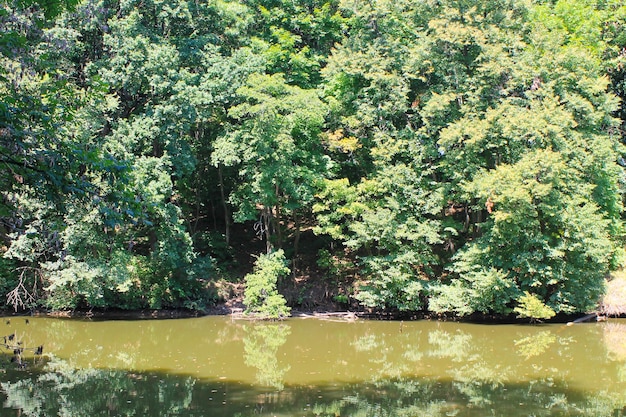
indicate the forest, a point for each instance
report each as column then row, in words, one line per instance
column 444, row 156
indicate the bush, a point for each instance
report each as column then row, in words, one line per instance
column 530, row 306
column 261, row 296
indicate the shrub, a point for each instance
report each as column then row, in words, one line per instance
column 261, row 296
column 530, row 306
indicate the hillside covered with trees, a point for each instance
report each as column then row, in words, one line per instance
column 450, row 156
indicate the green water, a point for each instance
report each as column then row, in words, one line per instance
column 215, row 366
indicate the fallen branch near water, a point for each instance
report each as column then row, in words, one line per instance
column 588, row 317
column 240, row 314
column 343, row 315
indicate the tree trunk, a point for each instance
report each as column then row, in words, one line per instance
column 266, row 220
column 277, row 229
column 296, row 243
column 225, row 205
column 296, row 240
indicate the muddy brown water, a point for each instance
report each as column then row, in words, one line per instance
column 217, row 366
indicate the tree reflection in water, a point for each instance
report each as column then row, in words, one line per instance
column 261, row 344
column 64, row 391
column 422, row 371
column 535, row 345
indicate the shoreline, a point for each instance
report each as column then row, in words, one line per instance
column 236, row 312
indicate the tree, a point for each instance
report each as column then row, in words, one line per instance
column 53, row 158
column 536, row 165
column 110, row 206
column 277, row 151
column 545, row 237
column 453, row 98
column 382, row 204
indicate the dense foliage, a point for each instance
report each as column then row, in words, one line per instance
column 449, row 156
column 261, row 296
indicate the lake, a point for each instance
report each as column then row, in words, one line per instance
column 216, row 366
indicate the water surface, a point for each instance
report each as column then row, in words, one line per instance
column 215, row 366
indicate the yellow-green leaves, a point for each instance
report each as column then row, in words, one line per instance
column 530, row 306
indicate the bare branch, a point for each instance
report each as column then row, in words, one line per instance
column 20, row 296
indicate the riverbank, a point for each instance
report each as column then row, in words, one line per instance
column 612, row 305
column 236, row 312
